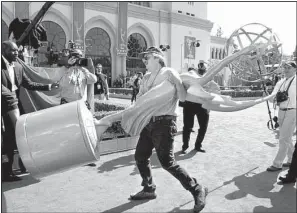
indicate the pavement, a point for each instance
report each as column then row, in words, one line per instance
column 239, row 148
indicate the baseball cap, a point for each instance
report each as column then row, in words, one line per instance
column 291, row 63
column 149, row 50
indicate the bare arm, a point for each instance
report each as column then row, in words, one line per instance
column 276, row 88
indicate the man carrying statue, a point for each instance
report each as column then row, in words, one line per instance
column 153, row 117
column 159, row 132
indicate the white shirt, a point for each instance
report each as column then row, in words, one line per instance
column 10, row 69
column 282, row 85
column 171, row 104
column 74, row 82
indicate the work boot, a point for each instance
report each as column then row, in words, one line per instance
column 184, row 149
column 200, row 198
column 10, row 178
column 198, row 149
column 142, row 195
column 287, row 179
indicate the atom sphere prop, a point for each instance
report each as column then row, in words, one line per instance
column 259, row 65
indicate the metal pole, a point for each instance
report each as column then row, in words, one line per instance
column 268, row 108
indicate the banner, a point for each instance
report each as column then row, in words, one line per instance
column 189, row 47
column 122, row 48
column 78, row 24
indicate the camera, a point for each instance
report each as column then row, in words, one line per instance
column 79, row 60
column 82, row 62
column 281, row 96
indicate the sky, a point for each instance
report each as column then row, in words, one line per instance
column 280, row 16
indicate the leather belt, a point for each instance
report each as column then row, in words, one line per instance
column 163, row 117
column 286, row 109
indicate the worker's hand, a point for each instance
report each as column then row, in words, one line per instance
column 72, row 60
column 55, row 85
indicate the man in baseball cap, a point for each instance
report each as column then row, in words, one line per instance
column 287, row 116
column 290, row 63
column 159, row 131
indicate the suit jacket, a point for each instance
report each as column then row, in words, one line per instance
column 9, row 98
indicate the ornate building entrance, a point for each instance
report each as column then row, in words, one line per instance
column 98, row 44
column 56, row 39
column 136, row 45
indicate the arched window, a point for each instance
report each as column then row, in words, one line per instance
column 56, row 40
column 141, row 3
column 4, row 31
column 98, row 45
column 136, row 45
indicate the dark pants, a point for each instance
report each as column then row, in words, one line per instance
column 160, row 135
column 293, row 167
column 134, row 94
column 189, row 112
column 8, row 145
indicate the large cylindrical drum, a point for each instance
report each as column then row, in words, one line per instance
column 57, row 139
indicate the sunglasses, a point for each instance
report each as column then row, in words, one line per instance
column 146, row 57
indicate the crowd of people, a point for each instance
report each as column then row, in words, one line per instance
column 159, row 132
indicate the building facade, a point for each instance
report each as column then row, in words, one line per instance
column 114, row 33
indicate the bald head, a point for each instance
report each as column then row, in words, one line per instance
column 9, row 50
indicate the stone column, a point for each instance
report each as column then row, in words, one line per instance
column 78, row 22
column 122, row 38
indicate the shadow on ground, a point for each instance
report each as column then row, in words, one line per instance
column 129, row 161
column 179, row 210
column 270, row 144
column 126, row 206
column 26, row 180
column 261, row 185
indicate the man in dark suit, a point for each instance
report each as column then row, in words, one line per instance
column 12, row 78
column 190, row 109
